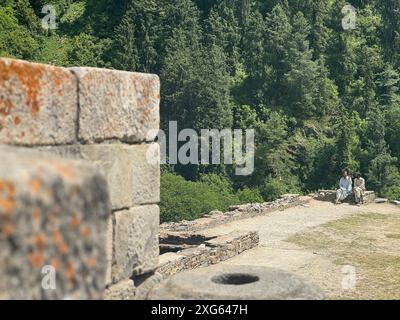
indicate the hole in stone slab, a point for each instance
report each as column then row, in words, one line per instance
column 193, row 239
column 236, row 279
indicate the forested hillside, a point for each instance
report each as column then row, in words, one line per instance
column 321, row 98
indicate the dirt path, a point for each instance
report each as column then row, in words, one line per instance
column 330, row 245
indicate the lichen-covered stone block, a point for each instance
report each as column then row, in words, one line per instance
column 135, row 242
column 132, row 171
column 117, row 105
column 38, row 103
column 53, row 220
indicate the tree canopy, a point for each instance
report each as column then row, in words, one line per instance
column 320, row 98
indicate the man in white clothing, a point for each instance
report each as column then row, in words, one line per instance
column 345, row 187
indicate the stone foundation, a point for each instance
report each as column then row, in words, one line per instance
column 210, row 252
column 237, row 212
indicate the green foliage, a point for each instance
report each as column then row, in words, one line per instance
column 247, row 195
column 383, row 174
column 196, row 85
column 182, row 199
column 187, row 200
column 16, row 40
column 392, row 193
column 54, row 50
column 273, row 188
column 86, row 50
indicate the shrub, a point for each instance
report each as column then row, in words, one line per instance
column 188, row 200
column 273, row 188
column 392, row 193
column 248, row 195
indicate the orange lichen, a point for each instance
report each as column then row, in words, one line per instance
column 51, row 217
column 36, row 259
column 85, row 232
column 5, row 107
column 17, row 120
column 68, row 173
column 36, row 213
column 39, row 240
column 92, row 262
column 9, row 229
column 63, row 247
column 146, row 85
column 69, row 271
column 7, row 194
column 75, row 221
column 57, row 236
column 59, row 77
column 35, row 185
column 56, row 263
column 24, row 75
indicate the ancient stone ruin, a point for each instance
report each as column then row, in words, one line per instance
column 79, row 188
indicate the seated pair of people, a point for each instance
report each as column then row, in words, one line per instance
column 346, row 188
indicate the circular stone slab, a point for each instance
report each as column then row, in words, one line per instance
column 236, row 283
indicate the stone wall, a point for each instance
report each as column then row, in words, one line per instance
column 330, row 195
column 236, row 212
column 210, row 252
column 109, row 118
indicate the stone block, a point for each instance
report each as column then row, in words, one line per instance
column 117, row 105
column 53, row 217
column 135, row 242
column 133, row 179
column 144, row 287
column 124, row 290
column 38, row 104
column 222, row 282
column 109, row 248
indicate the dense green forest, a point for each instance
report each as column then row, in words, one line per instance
column 320, row 98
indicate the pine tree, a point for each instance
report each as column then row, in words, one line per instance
column 125, row 55
column 347, row 143
column 382, row 170
column 390, row 11
column 299, row 80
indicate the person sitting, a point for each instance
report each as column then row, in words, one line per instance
column 359, row 189
column 345, row 187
